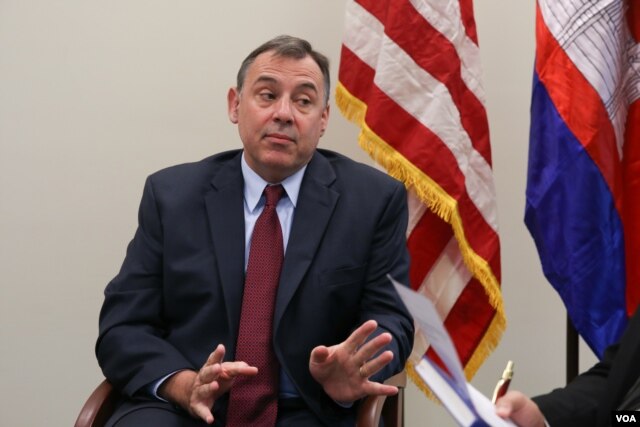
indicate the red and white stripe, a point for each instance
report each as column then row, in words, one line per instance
column 410, row 77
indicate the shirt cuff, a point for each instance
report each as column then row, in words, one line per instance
column 345, row 405
column 153, row 387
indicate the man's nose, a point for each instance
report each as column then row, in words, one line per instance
column 283, row 111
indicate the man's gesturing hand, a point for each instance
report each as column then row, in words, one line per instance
column 344, row 369
column 196, row 392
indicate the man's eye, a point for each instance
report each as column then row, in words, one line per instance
column 267, row 96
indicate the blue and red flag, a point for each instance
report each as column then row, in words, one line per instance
column 583, row 185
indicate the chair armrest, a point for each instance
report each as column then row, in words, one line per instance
column 399, row 380
column 98, row 407
column 388, row 408
column 369, row 411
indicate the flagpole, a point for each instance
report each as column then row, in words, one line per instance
column 572, row 351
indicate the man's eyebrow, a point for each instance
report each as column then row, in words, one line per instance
column 266, row 79
column 308, row 85
column 273, row 80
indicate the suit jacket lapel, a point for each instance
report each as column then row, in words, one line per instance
column 316, row 203
column 226, row 217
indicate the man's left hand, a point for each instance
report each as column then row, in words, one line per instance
column 344, row 369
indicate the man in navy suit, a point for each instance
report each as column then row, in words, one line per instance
column 612, row 384
column 170, row 319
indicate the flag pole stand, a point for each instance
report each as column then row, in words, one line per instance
column 572, row 351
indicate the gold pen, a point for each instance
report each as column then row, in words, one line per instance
column 503, row 384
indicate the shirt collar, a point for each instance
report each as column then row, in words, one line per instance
column 254, row 185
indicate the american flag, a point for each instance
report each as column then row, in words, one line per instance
column 583, row 185
column 410, row 78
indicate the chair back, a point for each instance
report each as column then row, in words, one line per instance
column 102, row 402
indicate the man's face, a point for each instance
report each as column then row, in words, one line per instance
column 280, row 114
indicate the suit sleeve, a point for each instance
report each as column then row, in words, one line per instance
column 131, row 348
column 576, row 405
column 381, row 302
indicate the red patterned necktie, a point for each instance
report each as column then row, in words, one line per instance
column 253, row 401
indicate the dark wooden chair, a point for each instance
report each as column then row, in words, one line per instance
column 98, row 407
column 101, row 403
column 389, row 409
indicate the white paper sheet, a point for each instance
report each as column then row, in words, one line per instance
column 466, row 405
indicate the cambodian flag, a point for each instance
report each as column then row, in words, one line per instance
column 583, row 188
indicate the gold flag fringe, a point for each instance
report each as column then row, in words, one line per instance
column 443, row 205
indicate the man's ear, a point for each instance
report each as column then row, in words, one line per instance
column 233, row 101
column 324, row 120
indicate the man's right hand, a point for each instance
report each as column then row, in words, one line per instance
column 196, row 392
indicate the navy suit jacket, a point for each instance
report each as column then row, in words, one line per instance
column 179, row 291
column 589, row 399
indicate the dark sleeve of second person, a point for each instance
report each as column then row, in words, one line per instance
column 589, row 399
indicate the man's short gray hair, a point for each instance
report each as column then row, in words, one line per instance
column 288, row 47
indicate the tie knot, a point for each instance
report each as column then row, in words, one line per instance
column 273, row 193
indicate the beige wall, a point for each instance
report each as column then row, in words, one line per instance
column 95, row 95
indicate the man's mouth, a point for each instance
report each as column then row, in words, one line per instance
column 279, row 138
